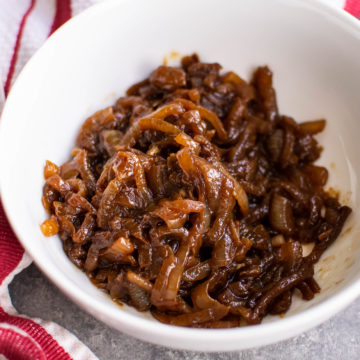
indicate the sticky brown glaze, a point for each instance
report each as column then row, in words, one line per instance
column 191, row 197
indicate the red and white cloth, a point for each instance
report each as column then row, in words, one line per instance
column 24, row 26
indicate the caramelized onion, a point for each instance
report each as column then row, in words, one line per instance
column 192, row 197
column 197, row 272
column 313, row 127
column 281, row 216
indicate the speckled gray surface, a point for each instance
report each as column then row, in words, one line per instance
column 34, row 295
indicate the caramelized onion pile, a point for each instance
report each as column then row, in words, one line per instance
column 192, row 196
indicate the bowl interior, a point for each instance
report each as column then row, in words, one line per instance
column 314, row 53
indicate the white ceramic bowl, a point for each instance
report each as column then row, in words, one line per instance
column 314, row 51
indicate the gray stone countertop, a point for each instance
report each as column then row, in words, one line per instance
column 33, row 295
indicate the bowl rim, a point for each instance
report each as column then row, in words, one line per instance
column 267, row 332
